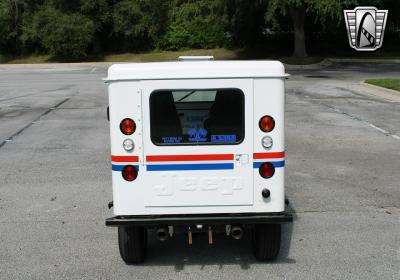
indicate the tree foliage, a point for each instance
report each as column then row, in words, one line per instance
column 195, row 24
column 61, row 34
column 11, row 17
column 139, row 24
column 79, row 28
column 322, row 10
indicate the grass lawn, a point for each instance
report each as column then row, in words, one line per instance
column 386, row 83
column 26, row 59
column 157, row 55
column 219, row 54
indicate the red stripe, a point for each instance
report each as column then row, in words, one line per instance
column 268, row 155
column 189, row 157
column 125, row 158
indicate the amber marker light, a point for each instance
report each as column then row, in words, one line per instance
column 266, row 123
column 127, row 126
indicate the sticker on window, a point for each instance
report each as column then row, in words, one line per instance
column 223, row 138
column 197, row 135
column 171, row 140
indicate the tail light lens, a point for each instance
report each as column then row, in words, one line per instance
column 127, row 126
column 266, row 123
column 129, row 173
column 267, row 170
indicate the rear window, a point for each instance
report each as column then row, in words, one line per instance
column 197, row 117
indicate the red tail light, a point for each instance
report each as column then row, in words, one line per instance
column 127, row 126
column 129, row 173
column 266, row 123
column 267, row 170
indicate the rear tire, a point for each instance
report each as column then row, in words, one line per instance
column 266, row 241
column 132, row 244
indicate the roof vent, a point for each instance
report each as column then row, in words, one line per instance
column 195, row 57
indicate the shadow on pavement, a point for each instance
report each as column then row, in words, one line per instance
column 176, row 252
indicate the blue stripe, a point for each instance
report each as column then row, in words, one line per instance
column 201, row 166
column 115, row 167
column 276, row 164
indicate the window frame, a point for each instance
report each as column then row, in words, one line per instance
column 243, row 119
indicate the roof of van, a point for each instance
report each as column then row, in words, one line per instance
column 196, row 70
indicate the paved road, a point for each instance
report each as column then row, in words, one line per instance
column 343, row 181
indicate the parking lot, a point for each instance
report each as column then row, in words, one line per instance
column 342, row 180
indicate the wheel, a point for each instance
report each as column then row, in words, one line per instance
column 132, row 244
column 266, row 241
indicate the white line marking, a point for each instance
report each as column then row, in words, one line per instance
column 378, row 128
column 395, row 136
column 94, row 69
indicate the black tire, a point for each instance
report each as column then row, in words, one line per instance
column 132, row 244
column 266, row 241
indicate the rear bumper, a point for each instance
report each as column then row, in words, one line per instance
column 208, row 219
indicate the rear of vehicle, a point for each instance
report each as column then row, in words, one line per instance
column 197, row 147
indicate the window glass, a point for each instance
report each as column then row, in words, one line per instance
column 197, row 117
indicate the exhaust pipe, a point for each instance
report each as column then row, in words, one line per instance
column 162, row 233
column 237, row 232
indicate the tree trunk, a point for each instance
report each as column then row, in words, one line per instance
column 297, row 13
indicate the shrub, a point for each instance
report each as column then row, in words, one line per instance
column 64, row 35
column 194, row 25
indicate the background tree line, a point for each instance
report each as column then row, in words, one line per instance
column 82, row 28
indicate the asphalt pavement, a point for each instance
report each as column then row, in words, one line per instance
column 343, row 183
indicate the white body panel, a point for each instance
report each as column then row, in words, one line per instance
column 227, row 190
